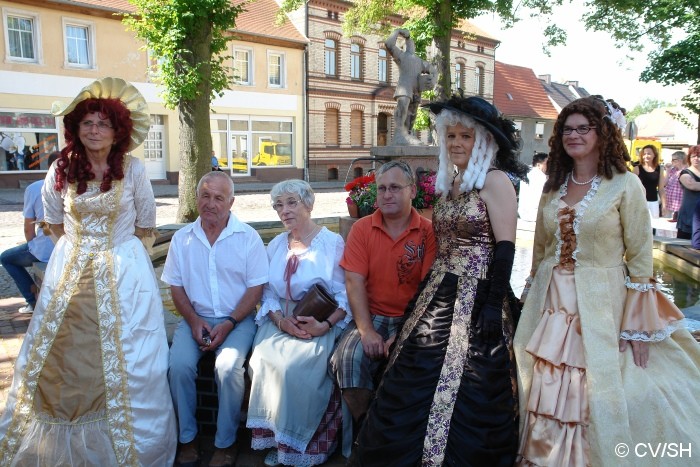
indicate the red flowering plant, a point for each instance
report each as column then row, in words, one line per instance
column 425, row 193
column 362, row 192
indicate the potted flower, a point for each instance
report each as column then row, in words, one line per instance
column 425, row 193
column 362, row 195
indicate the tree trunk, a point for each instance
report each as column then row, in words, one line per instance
column 195, row 154
column 195, row 130
column 443, row 34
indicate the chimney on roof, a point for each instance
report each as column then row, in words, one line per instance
column 546, row 78
column 572, row 83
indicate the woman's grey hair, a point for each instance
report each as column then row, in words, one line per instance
column 216, row 174
column 404, row 167
column 481, row 159
column 296, row 187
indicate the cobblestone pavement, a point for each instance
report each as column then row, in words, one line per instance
column 248, row 207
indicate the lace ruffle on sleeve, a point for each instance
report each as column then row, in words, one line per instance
column 648, row 316
column 270, row 302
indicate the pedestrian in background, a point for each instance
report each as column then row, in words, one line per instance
column 672, row 187
column 695, row 241
column 690, row 181
column 530, row 192
column 214, row 162
column 37, row 248
column 651, row 174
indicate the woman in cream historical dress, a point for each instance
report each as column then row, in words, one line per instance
column 90, row 384
column 606, row 369
column 294, row 403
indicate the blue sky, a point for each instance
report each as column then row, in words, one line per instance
column 588, row 57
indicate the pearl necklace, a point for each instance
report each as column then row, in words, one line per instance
column 303, row 240
column 581, row 183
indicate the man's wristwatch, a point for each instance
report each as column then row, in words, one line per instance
column 233, row 321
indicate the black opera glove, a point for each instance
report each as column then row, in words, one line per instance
column 490, row 320
column 490, row 323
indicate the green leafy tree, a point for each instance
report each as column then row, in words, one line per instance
column 673, row 26
column 679, row 64
column 190, row 38
column 646, row 106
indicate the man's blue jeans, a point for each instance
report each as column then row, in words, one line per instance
column 228, row 373
column 15, row 261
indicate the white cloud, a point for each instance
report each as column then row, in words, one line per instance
column 588, row 57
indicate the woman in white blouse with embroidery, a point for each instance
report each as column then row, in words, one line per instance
column 604, row 362
column 294, row 405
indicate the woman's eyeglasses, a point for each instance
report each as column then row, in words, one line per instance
column 102, row 127
column 581, row 130
column 290, row 203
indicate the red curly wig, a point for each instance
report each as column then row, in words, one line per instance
column 613, row 152
column 73, row 165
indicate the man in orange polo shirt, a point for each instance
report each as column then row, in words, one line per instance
column 386, row 256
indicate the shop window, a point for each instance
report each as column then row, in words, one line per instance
column 271, row 143
column 27, row 141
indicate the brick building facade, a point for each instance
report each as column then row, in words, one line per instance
column 350, row 87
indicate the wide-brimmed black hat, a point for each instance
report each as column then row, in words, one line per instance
column 483, row 112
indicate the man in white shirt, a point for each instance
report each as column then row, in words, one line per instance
column 530, row 193
column 216, row 268
column 38, row 247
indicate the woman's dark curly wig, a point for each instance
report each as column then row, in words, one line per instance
column 73, row 165
column 613, row 152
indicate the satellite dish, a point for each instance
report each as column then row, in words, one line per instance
column 631, row 131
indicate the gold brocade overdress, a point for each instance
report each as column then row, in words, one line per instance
column 94, row 361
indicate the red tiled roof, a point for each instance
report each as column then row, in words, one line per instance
column 113, row 5
column 517, row 92
column 258, row 20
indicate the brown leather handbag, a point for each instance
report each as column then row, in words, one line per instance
column 317, row 303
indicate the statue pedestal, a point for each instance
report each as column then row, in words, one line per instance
column 418, row 157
